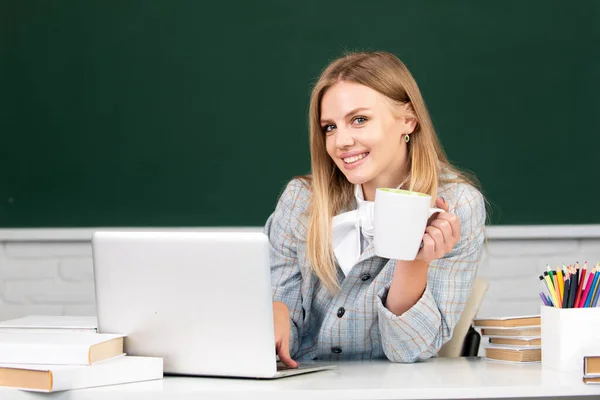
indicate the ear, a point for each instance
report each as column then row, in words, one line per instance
column 410, row 120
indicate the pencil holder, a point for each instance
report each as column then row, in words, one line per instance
column 569, row 334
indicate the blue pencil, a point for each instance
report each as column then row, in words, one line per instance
column 549, row 300
column 596, row 297
column 594, row 290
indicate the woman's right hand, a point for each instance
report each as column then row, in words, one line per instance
column 281, row 317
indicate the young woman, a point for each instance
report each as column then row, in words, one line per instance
column 370, row 128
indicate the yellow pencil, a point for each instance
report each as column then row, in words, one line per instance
column 551, row 289
column 554, row 283
column 561, row 285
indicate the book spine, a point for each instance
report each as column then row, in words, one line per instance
column 46, row 330
column 15, row 353
column 126, row 369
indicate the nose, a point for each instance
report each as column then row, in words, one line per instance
column 343, row 138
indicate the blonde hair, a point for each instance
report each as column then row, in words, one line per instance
column 331, row 191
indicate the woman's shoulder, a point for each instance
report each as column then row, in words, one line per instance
column 460, row 194
column 295, row 197
column 291, row 213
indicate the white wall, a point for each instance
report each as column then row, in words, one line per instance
column 46, row 278
column 512, row 267
column 50, row 271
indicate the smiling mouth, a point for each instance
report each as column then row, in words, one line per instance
column 356, row 158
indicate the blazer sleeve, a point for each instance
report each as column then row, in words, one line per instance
column 282, row 230
column 421, row 331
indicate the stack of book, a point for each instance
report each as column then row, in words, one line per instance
column 60, row 353
column 46, row 323
column 591, row 370
column 512, row 339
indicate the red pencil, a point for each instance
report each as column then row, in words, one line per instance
column 587, row 290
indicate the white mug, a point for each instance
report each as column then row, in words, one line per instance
column 400, row 219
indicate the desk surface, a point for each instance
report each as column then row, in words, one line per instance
column 442, row 378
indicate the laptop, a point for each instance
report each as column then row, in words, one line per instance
column 200, row 300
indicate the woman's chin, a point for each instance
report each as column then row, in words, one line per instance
column 356, row 179
column 358, row 173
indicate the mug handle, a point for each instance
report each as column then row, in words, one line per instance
column 434, row 210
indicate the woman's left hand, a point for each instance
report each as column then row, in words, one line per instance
column 441, row 235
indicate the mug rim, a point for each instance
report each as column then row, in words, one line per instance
column 403, row 192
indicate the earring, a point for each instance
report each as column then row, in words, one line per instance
column 406, row 138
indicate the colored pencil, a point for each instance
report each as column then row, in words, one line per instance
column 543, row 297
column 573, row 289
column 583, row 284
column 544, row 286
column 597, row 297
column 550, row 287
column 588, row 285
column 570, row 286
column 560, row 285
column 580, row 282
column 594, row 285
column 567, row 284
column 595, row 288
column 549, row 299
column 551, row 275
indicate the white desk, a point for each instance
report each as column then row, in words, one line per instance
column 442, row 378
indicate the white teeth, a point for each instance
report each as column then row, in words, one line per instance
column 352, row 159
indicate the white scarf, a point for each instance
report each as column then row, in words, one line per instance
column 349, row 228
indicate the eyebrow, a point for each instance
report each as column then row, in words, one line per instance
column 347, row 115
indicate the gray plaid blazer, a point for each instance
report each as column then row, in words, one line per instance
column 354, row 324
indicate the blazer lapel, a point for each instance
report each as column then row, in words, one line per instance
column 368, row 253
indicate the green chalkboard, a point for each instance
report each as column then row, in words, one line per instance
column 193, row 113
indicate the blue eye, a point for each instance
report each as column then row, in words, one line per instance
column 359, row 120
column 328, row 128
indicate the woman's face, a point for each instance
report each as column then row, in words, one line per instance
column 364, row 137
